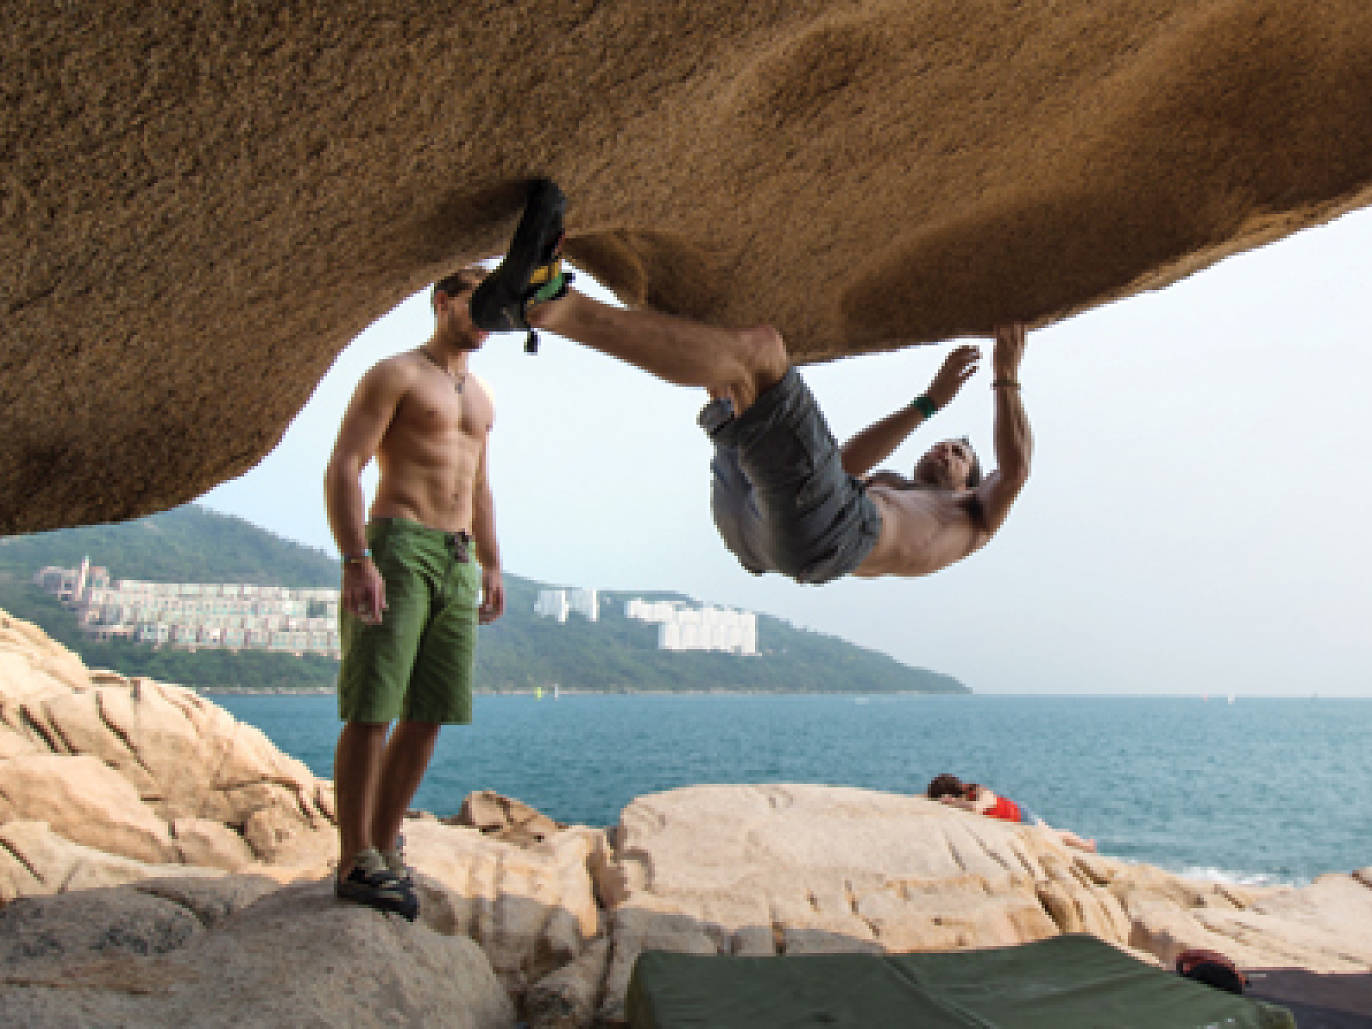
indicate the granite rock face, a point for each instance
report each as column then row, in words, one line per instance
column 151, row 956
column 203, row 205
column 796, row 869
column 106, row 779
column 148, row 880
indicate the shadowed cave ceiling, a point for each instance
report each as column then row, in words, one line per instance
column 203, row 204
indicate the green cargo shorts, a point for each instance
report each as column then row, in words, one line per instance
column 416, row 664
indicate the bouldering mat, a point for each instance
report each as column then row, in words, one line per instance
column 1063, row 981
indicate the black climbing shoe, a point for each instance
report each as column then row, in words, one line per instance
column 531, row 271
column 372, row 883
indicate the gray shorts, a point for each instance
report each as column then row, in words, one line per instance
column 780, row 497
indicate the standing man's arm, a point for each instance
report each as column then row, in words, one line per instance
column 1014, row 443
column 364, row 424
column 878, row 441
column 487, row 551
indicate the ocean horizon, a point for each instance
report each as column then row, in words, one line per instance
column 1263, row 790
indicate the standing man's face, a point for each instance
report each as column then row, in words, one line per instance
column 946, row 465
column 453, row 317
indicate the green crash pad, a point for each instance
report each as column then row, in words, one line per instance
column 1063, row 981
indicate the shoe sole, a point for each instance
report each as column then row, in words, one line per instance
column 497, row 305
column 405, row 903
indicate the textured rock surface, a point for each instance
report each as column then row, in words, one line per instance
column 795, row 869
column 120, row 837
column 289, row 956
column 105, row 779
column 194, row 195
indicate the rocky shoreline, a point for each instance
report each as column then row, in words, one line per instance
column 163, row 864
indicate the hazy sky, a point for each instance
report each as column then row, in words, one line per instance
column 1195, row 520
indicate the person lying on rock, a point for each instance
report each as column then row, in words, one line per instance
column 412, row 594
column 785, row 497
column 970, row 796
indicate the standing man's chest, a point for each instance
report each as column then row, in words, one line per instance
column 438, row 414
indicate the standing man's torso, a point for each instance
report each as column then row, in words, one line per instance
column 432, row 449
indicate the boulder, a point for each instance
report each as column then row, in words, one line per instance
column 567, row 998
column 163, row 956
column 86, row 801
column 532, row 908
column 504, row 818
column 130, row 800
column 793, row 869
column 34, row 860
column 145, row 771
column 229, row 191
column 202, row 841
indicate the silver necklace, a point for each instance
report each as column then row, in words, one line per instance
column 458, row 381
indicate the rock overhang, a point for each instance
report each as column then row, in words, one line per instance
column 204, row 206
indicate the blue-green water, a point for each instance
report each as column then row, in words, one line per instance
column 1261, row 790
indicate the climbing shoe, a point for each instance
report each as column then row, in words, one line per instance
column 395, row 861
column 369, row 881
column 531, row 271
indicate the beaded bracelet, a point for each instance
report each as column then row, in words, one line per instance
column 356, row 559
column 1007, row 383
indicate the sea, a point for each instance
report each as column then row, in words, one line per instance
column 1253, row 791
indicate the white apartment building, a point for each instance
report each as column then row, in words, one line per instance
column 682, row 627
column 558, row 603
column 194, row 615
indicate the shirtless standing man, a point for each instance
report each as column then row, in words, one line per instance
column 785, row 496
column 409, row 607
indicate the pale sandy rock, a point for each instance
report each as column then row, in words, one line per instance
column 13, row 744
column 278, row 829
column 25, row 681
column 86, row 801
column 811, row 857
column 636, row 929
column 149, row 771
column 161, row 750
column 42, row 652
column 295, row 956
column 201, row 841
column 531, row 907
column 35, row 860
column 808, row 869
column 504, row 818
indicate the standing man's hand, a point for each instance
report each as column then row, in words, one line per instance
column 492, row 596
column 1009, row 351
column 364, row 591
column 957, row 368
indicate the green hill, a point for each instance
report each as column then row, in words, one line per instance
column 193, row 544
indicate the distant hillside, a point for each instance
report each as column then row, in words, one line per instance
column 185, row 544
column 193, row 544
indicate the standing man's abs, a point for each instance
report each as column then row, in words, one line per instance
column 429, row 483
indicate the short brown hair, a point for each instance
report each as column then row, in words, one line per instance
column 460, row 280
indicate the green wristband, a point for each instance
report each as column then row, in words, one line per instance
column 924, row 405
